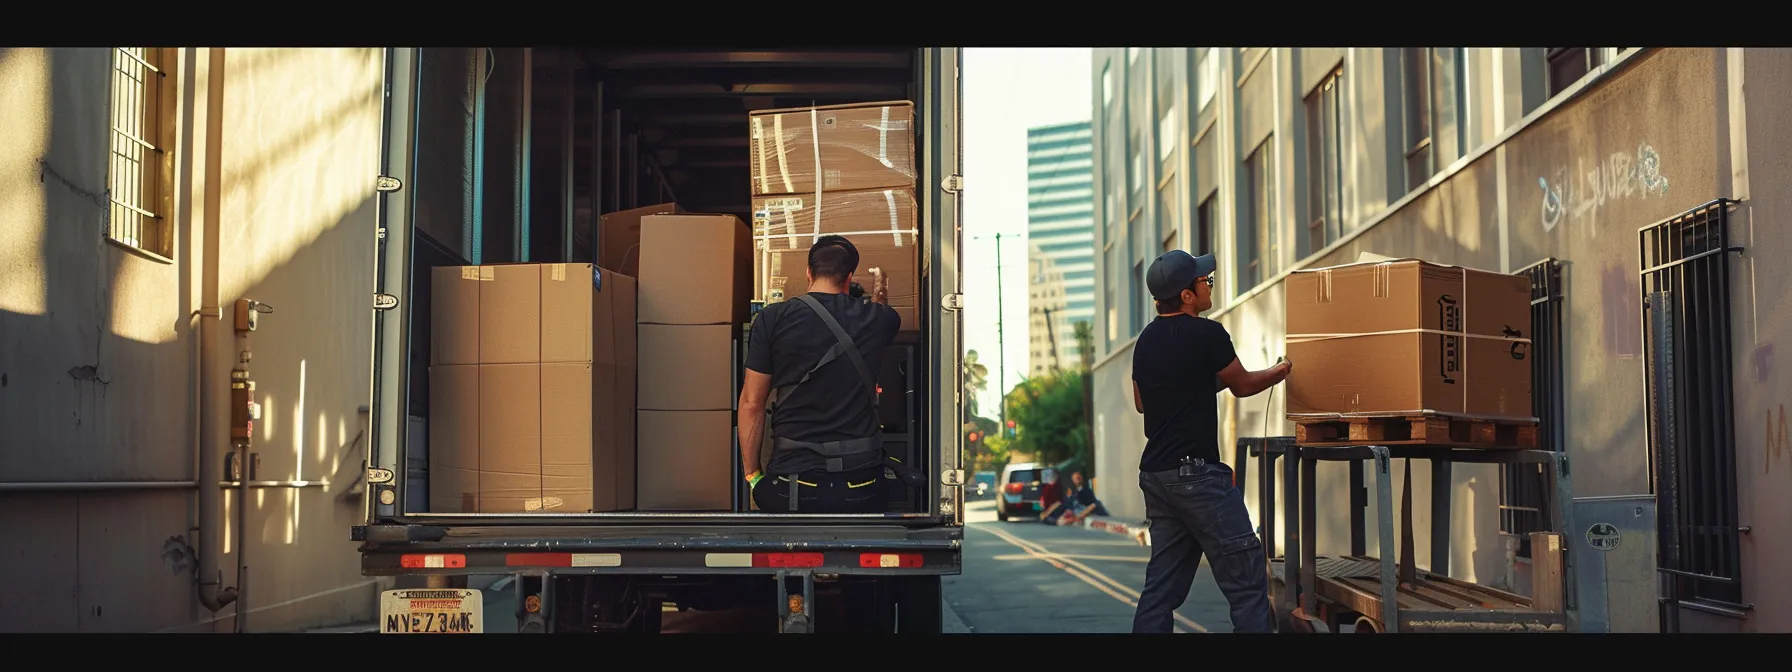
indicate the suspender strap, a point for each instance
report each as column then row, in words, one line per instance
column 834, row 451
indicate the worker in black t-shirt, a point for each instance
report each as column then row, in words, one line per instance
column 1193, row 506
column 817, row 351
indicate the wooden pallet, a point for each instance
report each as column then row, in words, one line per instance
column 1420, row 429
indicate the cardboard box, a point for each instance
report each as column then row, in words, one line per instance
column 687, row 368
column 860, row 146
column 619, row 242
column 687, row 460
column 1408, row 336
column 554, row 434
column 695, row 269
column 881, row 223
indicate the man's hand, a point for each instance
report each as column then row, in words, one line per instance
column 1283, row 368
column 880, row 287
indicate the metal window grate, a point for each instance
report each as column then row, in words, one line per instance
column 1686, row 325
column 134, row 174
column 1524, row 488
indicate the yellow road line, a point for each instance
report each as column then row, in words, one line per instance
column 1116, row 589
column 1072, row 556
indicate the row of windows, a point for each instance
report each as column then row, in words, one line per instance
column 1430, row 135
column 136, row 173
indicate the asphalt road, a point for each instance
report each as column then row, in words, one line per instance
column 1027, row 577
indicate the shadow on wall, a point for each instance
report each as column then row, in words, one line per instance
column 93, row 352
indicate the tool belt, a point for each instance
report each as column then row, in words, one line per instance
column 837, row 453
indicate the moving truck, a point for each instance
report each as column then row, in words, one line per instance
column 504, row 158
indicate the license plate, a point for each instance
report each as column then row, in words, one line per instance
column 432, row 611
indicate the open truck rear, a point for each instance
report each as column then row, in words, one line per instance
column 517, row 152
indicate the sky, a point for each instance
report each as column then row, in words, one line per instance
column 1007, row 91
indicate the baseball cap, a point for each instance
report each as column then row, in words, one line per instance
column 1175, row 271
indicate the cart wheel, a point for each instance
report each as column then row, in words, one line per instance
column 1367, row 626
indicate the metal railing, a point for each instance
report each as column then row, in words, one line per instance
column 1686, row 305
column 1524, row 488
column 134, row 175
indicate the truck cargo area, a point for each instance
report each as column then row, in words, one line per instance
column 518, row 154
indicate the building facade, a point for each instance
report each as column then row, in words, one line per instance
column 1048, row 332
column 147, row 192
column 1060, row 233
column 1604, row 174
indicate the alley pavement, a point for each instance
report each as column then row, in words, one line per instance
column 1028, row 577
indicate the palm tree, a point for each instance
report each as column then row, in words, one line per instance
column 1085, row 342
column 976, row 379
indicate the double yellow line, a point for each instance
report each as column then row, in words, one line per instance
column 1081, row 572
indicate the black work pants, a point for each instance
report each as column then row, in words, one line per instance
column 1196, row 515
column 857, row 491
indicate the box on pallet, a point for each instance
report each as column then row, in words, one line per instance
column 531, row 389
column 1408, row 336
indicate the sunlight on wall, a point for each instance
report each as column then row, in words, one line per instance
column 287, row 186
column 24, row 138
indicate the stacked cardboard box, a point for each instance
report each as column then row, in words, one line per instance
column 694, row 282
column 1409, row 336
column 531, row 384
column 844, row 169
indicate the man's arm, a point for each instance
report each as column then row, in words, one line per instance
column 1138, row 402
column 753, row 394
column 1251, row 383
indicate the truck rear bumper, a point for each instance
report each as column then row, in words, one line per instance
column 408, row 550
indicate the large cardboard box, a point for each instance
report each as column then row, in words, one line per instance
column 695, row 269
column 1407, row 336
column 687, row 367
column 619, row 242
column 687, row 460
column 554, row 434
column 881, row 223
column 860, row 146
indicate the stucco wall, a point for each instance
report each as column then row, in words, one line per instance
column 292, row 158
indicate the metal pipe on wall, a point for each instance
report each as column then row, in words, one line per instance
column 208, row 576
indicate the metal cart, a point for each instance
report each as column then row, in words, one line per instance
column 1310, row 592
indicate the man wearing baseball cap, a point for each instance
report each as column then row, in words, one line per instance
column 816, row 351
column 1179, row 363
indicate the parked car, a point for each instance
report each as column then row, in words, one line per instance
column 986, row 484
column 1023, row 486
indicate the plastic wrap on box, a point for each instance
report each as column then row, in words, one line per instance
column 851, row 147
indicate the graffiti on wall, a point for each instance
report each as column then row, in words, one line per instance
column 1579, row 194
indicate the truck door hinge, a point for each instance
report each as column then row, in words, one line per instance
column 387, row 184
column 953, row 184
column 953, row 302
column 952, row 477
column 384, row 301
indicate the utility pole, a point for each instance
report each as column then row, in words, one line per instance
column 1001, row 345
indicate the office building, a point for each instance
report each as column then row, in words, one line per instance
column 1060, row 234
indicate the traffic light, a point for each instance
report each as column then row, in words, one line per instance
column 1011, row 430
column 972, row 437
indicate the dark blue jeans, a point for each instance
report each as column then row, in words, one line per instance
column 1198, row 515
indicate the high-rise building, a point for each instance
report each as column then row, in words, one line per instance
column 1549, row 162
column 1061, row 238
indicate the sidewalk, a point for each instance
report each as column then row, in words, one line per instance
column 1133, row 529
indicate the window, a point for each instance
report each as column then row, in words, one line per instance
column 1206, row 84
column 1169, row 214
column 139, row 164
column 1142, row 305
column 1135, row 181
column 1420, row 87
column 1325, row 170
column 1170, row 242
column 1204, row 226
column 1132, row 54
column 1568, row 65
column 1107, row 86
column 1166, row 135
column 1256, row 235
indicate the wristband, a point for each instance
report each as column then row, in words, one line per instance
column 753, row 480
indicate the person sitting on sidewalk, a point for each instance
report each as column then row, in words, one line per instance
column 1081, row 501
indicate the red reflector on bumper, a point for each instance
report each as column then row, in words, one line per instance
column 786, row 559
column 432, row 561
column 897, row 560
column 538, row 560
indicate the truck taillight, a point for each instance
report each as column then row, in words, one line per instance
column 432, row 561
column 1015, row 488
column 900, row 560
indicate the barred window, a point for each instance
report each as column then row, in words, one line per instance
column 136, row 175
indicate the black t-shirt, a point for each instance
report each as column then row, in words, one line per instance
column 787, row 339
column 1175, row 363
column 1083, row 496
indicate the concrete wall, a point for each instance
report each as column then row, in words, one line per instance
column 1573, row 178
column 272, row 158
